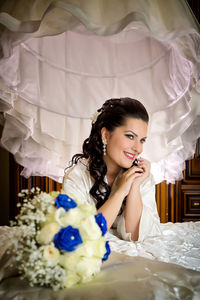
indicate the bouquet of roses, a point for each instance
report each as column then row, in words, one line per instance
column 62, row 240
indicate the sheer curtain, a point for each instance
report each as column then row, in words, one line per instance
column 62, row 59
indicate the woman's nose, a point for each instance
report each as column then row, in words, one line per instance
column 137, row 146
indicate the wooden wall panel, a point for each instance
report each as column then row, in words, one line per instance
column 18, row 182
column 180, row 202
column 162, row 195
column 192, row 173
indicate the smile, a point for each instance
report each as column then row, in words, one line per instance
column 129, row 155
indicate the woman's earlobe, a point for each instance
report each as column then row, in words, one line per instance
column 103, row 134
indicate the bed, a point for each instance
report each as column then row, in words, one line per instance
column 162, row 267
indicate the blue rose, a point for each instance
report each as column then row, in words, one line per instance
column 101, row 221
column 67, row 238
column 65, row 201
column 107, row 251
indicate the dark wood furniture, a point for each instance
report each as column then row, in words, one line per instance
column 180, row 202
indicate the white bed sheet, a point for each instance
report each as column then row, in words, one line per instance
column 133, row 271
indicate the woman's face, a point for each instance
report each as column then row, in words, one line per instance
column 125, row 143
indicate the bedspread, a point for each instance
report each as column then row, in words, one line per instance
column 126, row 275
column 178, row 243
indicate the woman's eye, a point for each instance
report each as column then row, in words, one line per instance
column 130, row 136
column 143, row 141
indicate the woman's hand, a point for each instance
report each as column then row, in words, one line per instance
column 128, row 178
column 145, row 165
column 111, row 207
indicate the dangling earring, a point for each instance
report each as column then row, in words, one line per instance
column 104, row 147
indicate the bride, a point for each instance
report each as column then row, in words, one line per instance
column 111, row 174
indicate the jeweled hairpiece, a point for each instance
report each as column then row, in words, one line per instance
column 99, row 111
column 96, row 114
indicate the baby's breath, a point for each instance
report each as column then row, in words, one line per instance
column 29, row 253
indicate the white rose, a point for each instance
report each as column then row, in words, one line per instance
column 47, row 233
column 71, row 279
column 72, row 217
column 51, row 209
column 50, row 216
column 60, row 212
column 87, row 267
column 51, row 255
column 88, row 209
column 92, row 248
column 69, row 260
column 54, row 194
column 89, row 229
column 99, row 248
column 86, row 249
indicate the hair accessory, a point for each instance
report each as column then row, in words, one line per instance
column 95, row 116
column 104, row 147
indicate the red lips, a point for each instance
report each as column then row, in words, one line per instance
column 129, row 155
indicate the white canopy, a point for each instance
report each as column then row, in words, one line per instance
column 62, row 59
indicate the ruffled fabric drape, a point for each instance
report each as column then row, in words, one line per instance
column 62, row 59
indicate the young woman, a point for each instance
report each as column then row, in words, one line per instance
column 105, row 173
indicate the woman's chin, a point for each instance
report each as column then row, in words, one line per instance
column 126, row 165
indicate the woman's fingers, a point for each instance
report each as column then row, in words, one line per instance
column 135, row 175
column 128, row 177
column 134, row 169
column 144, row 164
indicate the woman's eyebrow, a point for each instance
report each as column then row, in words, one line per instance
column 135, row 134
column 131, row 132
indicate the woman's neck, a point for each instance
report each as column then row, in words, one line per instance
column 112, row 172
